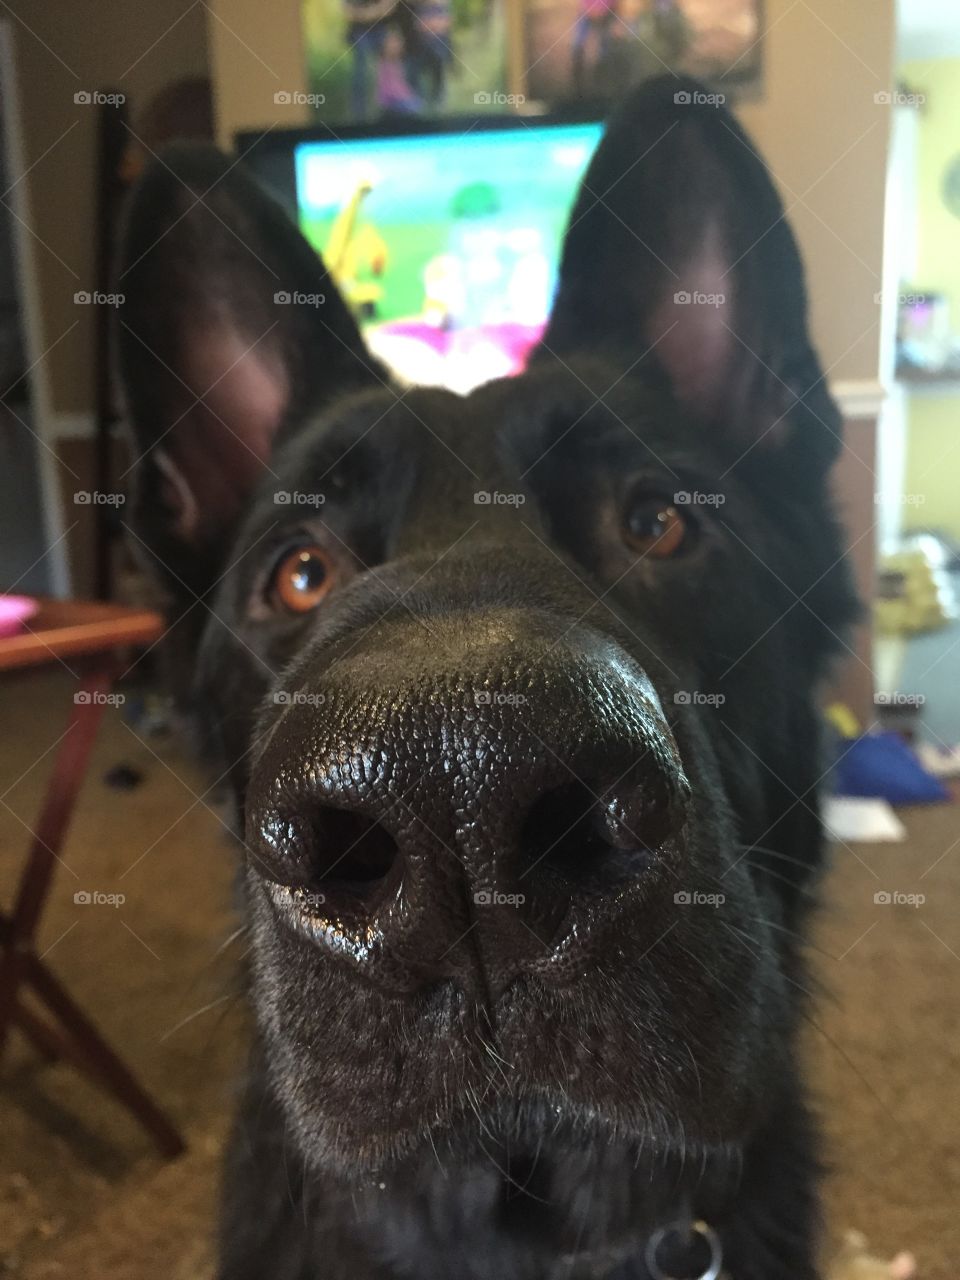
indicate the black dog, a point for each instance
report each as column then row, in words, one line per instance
column 515, row 697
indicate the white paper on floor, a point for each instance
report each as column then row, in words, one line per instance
column 861, row 818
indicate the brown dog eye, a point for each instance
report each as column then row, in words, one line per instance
column 302, row 579
column 654, row 527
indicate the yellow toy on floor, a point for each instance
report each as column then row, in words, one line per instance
column 854, row 1263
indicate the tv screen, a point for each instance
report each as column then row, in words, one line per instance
column 445, row 244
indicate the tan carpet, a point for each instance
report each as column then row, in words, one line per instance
column 83, row 1195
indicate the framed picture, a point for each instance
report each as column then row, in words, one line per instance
column 371, row 59
column 577, row 50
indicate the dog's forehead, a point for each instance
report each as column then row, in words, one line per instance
column 450, row 443
column 430, row 464
column 499, row 432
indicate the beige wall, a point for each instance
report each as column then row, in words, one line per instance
column 825, row 140
column 62, row 47
column 256, row 51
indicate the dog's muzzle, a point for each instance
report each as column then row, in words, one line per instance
column 428, row 808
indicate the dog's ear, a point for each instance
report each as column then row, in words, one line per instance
column 231, row 328
column 678, row 246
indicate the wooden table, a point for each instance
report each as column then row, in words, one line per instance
column 84, row 636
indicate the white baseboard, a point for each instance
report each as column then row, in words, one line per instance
column 859, row 398
column 72, row 426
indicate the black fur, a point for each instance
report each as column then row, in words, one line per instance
column 442, row 1088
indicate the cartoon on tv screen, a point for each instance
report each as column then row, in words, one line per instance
column 443, row 247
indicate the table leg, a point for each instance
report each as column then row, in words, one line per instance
column 102, row 1064
column 79, row 1040
column 68, row 773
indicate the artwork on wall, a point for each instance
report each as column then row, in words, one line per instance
column 369, row 59
column 597, row 49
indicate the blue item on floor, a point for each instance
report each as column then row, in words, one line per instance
column 882, row 764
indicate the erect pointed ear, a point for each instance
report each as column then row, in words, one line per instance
column 231, row 329
column 678, row 245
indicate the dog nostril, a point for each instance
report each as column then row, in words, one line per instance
column 594, row 843
column 350, row 849
column 329, row 849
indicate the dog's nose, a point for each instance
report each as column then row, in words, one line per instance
column 428, row 818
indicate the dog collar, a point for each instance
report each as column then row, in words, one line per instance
column 685, row 1249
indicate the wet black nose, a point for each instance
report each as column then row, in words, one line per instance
column 471, row 817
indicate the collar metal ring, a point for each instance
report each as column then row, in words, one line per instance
column 698, row 1230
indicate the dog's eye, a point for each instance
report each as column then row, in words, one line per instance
column 653, row 526
column 301, row 579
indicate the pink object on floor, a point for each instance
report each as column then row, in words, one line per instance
column 14, row 612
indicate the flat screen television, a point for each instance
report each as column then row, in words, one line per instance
column 444, row 238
